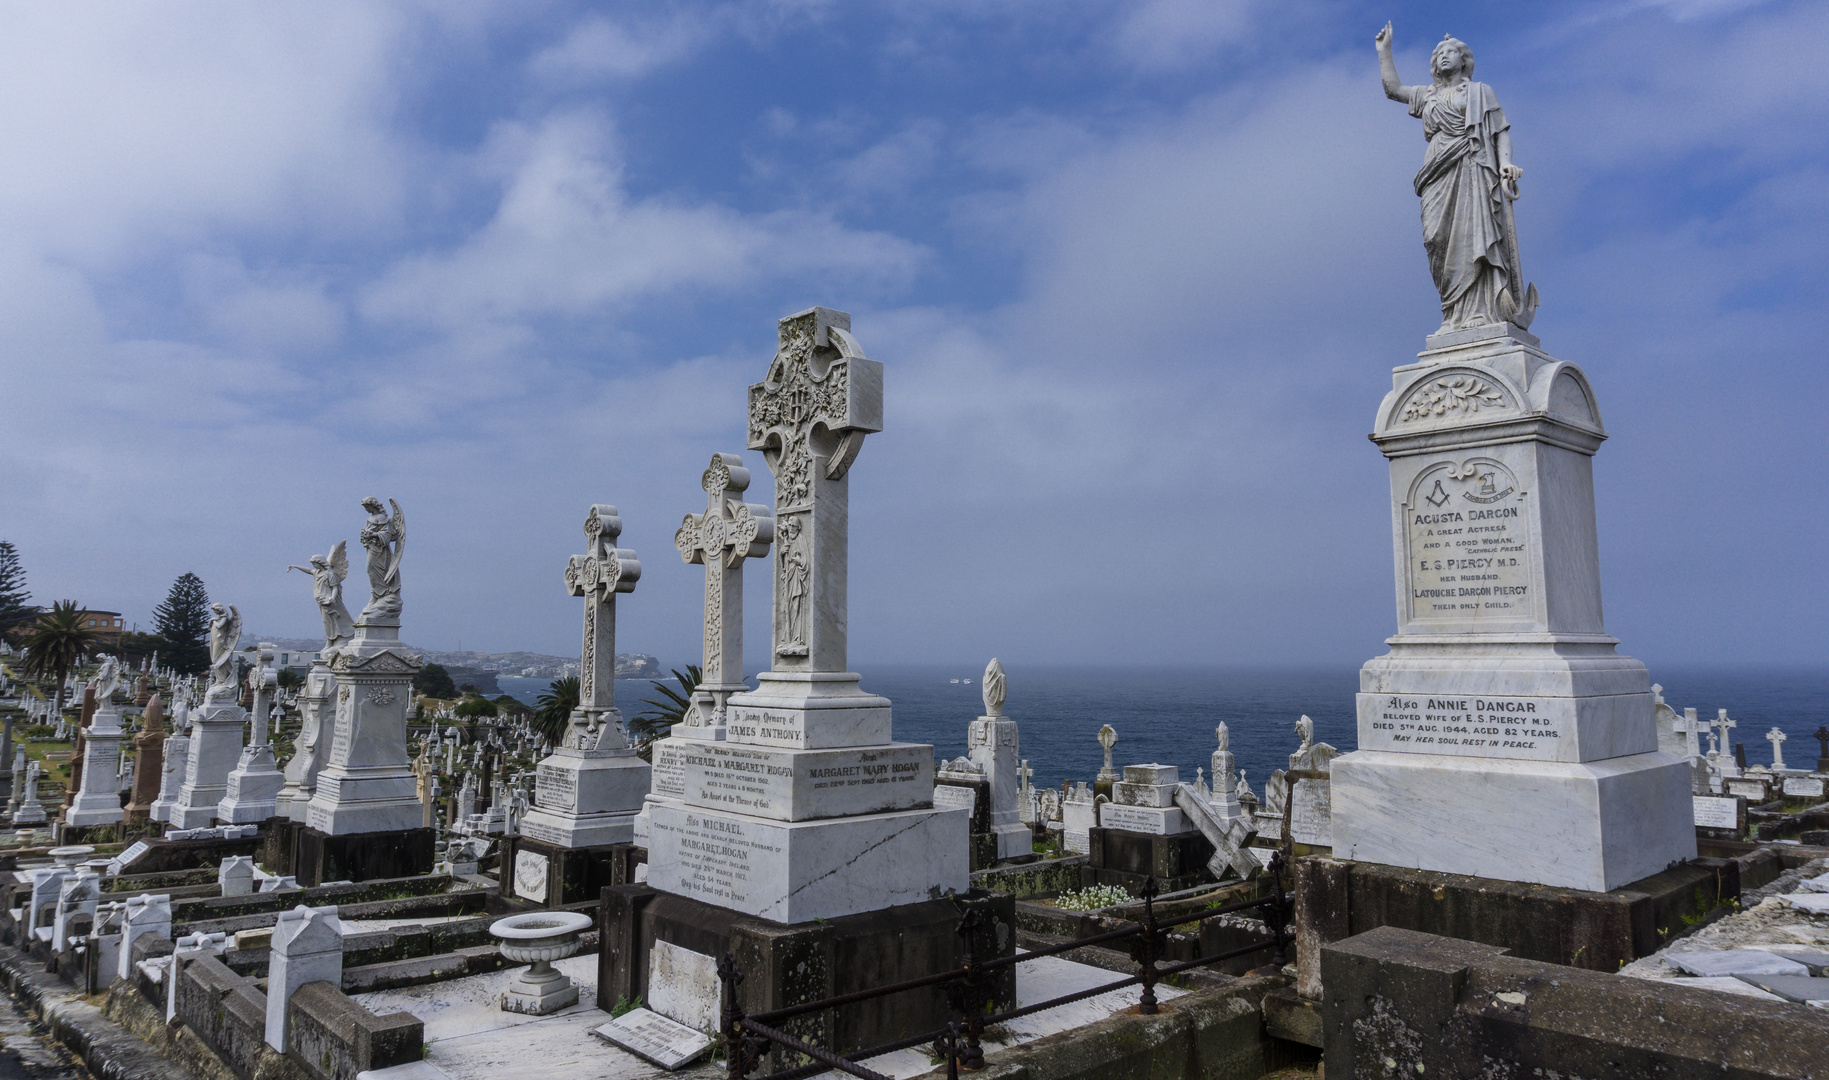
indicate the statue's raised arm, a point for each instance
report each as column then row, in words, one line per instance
column 1466, row 184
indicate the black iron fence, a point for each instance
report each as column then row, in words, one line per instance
column 968, row 990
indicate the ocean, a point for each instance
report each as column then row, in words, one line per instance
column 1167, row 716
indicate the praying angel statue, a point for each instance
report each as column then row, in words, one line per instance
column 385, row 540
column 327, row 574
column 1467, row 185
column 225, row 634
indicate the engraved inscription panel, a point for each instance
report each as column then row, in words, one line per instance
column 717, row 859
column 1473, row 725
column 1466, row 534
column 1311, row 813
column 1804, row 787
column 1715, row 812
column 555, row 788
column 669, row 776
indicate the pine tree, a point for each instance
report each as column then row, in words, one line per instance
column 184, row 622
column 15, row 600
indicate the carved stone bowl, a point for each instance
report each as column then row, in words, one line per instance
column 538, row 938
column 71, row 855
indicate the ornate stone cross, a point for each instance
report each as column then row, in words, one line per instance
column 1822, row 741
column 809, row 418
column 1777, row 739
column 598, row 575
column 727, row 533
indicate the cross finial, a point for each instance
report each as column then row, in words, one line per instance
column 720, row 539
column 598, row 575
column 809, row 417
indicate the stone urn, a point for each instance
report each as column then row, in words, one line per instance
column 538, row 938
column 72, row 856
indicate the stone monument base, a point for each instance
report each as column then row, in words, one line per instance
column 318, row 856
column 279, row 841
column 1573, row 825
column 805, row 870
column 547, row 875
column 1124, row 858
column 1600, row 931
column 664, row 949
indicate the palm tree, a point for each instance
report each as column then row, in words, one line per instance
column 553, row 709
column 58, row 643
column 649, row 726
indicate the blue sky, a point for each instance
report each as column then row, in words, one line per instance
column 1137, row 272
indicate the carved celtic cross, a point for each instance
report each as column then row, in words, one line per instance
column 728, row 532
column 598, row 575
column 809, row 418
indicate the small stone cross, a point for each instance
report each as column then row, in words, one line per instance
column 1108, row 738
column 1777, row 739
column 1688, row 727
column 727, row 533
column 809, row 417
column 598, row 575
column 1822, row 739
column 1025, row 775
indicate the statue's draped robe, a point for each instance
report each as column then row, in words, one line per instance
column 1462, row 211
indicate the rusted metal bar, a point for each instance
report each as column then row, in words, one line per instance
column 830, row 1059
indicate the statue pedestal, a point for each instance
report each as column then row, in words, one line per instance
column 368, row 785
column 252, row 789
column 312, row 750
column 587, row 798
column 1502, row 736
column 215, row 749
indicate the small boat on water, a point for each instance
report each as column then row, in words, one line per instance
column 955, row 682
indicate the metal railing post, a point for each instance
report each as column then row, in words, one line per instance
column 1277, row 915
column 1147, row 946
column 741, row 1049
column 967, row 997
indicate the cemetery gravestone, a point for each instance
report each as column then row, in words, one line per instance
column 251, row 792
column 588, row 791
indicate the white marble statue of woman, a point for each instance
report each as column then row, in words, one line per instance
column 992, row 686
column 107, row 680
column 225, row 634
column 384, row 538
column 327, row 574
column 1466, row 184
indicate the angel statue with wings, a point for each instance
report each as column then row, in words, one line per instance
column 106, row 681
column 385, row 540
column 327, row 574
column 225, row 634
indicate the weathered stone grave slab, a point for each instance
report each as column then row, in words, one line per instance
column 1801, row 988
column 655, row 1038
column 1734, row 962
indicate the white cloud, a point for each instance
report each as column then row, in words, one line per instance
column 599, row 47
column 566, row 239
